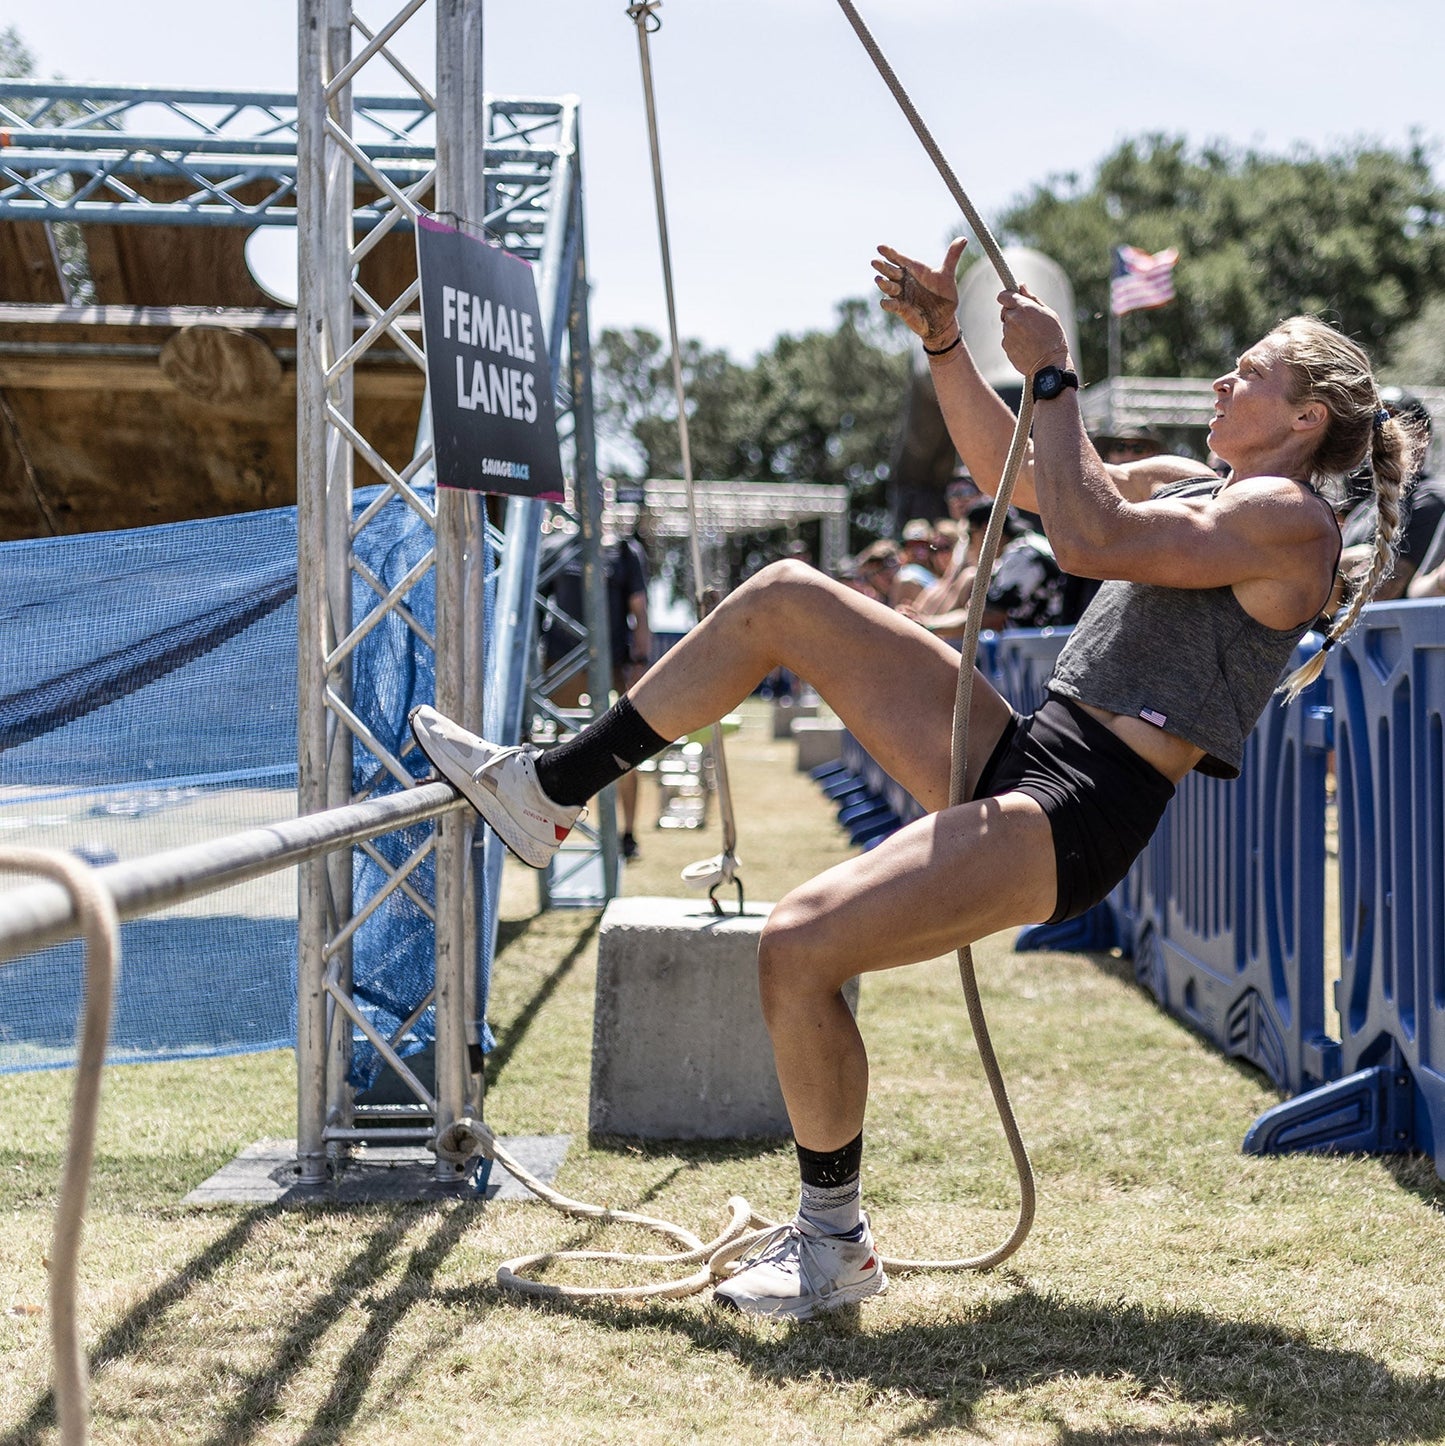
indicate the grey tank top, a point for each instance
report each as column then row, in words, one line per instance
column 1191, row 661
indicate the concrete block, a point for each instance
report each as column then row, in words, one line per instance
column 786, row 709
column 820, row 741
column 679, row 1048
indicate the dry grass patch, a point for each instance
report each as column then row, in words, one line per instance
column 1173, row 1290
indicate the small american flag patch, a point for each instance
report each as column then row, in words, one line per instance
column 1154, row 716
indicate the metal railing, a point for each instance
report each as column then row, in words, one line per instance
column 35, row 916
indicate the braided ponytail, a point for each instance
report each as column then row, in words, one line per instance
column 1325, row 366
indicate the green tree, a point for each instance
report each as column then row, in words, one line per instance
column 16, row 59
column 820, row 407
column 1357, row 236
column 1418, row 355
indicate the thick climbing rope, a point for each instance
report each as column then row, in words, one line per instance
column 963, row 700
column 100, row 928
column 722, row 870
column 745, row 1228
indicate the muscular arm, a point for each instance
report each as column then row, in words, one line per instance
column 1267, row 537
column 978, row 420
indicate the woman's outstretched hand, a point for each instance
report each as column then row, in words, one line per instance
column 1033, row 336
column 926, row 300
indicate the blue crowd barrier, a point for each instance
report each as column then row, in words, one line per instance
column 1224, row 912
column 1023, row 661
column 1229, row 933
column 1387, row 683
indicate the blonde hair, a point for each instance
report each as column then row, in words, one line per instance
column 1323, row 365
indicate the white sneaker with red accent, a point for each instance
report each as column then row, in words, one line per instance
column 500, row 783
column 797, row 1272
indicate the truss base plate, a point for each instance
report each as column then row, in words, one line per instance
column 265, row 1174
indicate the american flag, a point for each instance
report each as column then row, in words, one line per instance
column 1140, row 280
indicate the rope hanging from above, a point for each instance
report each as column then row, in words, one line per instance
column 722, row 870
column 963, row 699
column 710, row 1261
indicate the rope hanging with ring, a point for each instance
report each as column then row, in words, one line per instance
column 95, row 911
column 721, row 871
column 745, row 1227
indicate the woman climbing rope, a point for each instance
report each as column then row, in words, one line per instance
column 1209, row 585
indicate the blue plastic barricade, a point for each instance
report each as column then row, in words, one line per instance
column 1023, row 662
column 1388, row 692
column 1227, row 927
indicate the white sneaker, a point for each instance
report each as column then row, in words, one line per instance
column 797, row 1272
column 500, row 783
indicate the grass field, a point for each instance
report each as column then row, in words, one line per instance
column 1173, row 1290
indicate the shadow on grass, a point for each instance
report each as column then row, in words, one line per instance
column 515, row 1031
column 385, row 1313
column 127, row 1335
column 261, row 1389
column 1275, row 1384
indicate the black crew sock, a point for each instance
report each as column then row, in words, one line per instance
column 600, row 754
column 831, row 1167
column 832, row 1192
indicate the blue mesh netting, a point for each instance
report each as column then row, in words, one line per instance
column 149, row 701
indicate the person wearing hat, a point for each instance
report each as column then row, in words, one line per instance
column 1129, row 443
column 915, row 572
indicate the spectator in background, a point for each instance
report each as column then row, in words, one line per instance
column 1429, row 579
column 953, row 590
column 915, row 572
column 878, row 566
column 1422, row 507
column 948, row 541
column 630, row 634
column 959, row 496
column 1128, row 444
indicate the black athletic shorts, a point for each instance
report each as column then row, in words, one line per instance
column 1103, row 801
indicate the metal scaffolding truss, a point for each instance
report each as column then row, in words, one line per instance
column 137, row 155
column 347, row 171
column 510, row 169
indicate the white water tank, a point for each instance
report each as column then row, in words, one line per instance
column 978, row 309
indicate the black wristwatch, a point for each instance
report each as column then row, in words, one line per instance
column 1049, row 382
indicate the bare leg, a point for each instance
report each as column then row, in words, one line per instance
column 890, row 682
column 948, row 879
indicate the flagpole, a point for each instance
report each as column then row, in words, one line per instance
column 1113, row 344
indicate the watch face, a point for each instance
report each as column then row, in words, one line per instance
column 1050, row 381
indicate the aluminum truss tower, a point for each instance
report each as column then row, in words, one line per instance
column 346, row 170
column 513, row 170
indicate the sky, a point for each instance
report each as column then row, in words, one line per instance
column 785, row 158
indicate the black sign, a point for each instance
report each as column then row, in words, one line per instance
column 493, row 422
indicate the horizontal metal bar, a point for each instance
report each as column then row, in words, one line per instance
column 134, row 213
column 162, row 95
column 21, row 313
column 37, row 915
column 129, row 143
column 379, row 1135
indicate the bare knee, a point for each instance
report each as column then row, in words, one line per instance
column 793, row 957
column 776, row 592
